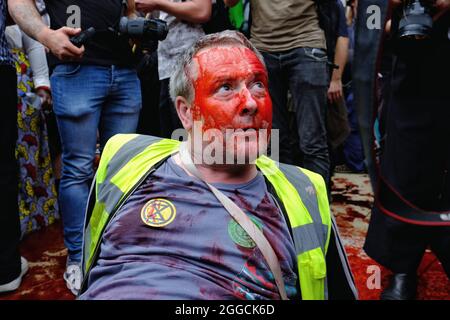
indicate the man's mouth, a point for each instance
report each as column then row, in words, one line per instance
column 248, row 129
column 241, row 130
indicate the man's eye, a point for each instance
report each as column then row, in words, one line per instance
column 258, row 85
column 224, row 88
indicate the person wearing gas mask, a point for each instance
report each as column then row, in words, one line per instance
column 415, row 159
column 95, row 88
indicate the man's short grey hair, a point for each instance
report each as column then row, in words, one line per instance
column 181, row 80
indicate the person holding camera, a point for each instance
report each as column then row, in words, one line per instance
column 95, row 88
column 415, row 158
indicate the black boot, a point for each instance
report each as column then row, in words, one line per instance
column 402, row 286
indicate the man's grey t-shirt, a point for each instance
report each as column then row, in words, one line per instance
column 201, row 254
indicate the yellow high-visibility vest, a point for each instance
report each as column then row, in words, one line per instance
column 129, row 158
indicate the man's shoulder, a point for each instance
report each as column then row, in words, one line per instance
column 130, row 139
column 303, row 178
column 296, row 169
column 124, row 147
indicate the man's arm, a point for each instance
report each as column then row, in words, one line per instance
column 131, row 11
column 194, row 11
column 335, row 92
column 38, row 61
column 25, row 14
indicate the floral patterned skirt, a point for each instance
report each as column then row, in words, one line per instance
column 38, row 205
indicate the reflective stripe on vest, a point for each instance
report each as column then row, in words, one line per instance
column 127, row 158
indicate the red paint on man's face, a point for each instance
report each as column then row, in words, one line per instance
column 231, row 90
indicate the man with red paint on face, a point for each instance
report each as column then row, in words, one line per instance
column 231, row 107
column 165, row 220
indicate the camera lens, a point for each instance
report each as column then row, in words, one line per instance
column 141, row 28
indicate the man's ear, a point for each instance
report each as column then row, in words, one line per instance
column 184, row 110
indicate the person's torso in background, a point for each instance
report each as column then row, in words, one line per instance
column 279, row 25
column 182, row 35
column 105, row 48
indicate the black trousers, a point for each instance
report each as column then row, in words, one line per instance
column 9, row 215
column 400, row 246
column 149, row 122
column 415, row 158
column 302, row 71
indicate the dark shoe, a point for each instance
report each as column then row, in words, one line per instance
column 14, row 284
column 402, row 286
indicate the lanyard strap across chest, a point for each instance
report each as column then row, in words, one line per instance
column 244, row 221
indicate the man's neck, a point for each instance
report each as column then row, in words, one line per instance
column 230, row 174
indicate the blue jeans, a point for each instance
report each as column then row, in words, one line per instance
column 304, row 72
column 353, row 148
column 88, row 99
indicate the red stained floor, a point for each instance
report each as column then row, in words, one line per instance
column 352, row 199
column 46, row 257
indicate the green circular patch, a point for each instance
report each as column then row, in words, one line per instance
column 238, row 234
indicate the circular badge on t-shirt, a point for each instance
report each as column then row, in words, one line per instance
column 240, row 236
column 158, row 213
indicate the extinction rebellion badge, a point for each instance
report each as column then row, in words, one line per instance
column 158, row 213
column 239, row 236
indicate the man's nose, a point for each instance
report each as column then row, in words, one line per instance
column 248, row 103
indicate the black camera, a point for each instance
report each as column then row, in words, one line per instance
column 416, row 22
column 83, row 37
column 143, row 28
